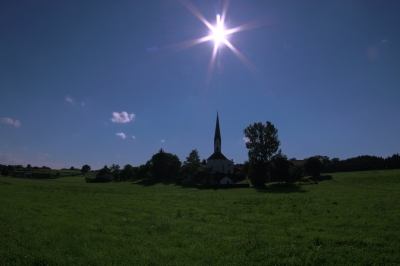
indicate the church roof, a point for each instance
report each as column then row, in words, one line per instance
column 217, row 156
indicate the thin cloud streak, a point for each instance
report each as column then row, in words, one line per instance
column 9, row 121
column 70, row 100
column 122, row 135
column 43, row 156
column 10, row 159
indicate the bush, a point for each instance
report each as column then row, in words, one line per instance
column 258, row 174
column 297, row 173
column 313, row 167
column 5, row 171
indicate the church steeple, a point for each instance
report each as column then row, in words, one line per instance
column 217, row 137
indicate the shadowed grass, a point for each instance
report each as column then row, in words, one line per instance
column 349, row 219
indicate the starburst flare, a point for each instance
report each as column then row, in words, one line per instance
column 218, row 34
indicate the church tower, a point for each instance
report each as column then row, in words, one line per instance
column 217, row 162
column 217, row 137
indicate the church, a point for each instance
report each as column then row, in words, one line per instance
column 217, row 162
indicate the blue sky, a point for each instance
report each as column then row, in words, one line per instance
column 76, row 74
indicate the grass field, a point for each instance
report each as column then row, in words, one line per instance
column 352, row 219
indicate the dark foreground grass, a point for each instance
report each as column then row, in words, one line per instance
column 352, row 219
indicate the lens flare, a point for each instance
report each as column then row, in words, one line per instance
column 218, row 34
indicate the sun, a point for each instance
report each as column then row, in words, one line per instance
column 219, row 32
column 219, row 35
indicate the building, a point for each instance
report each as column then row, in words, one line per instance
column 217, row 162
column 294, row 163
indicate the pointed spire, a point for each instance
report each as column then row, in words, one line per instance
column 217, row 136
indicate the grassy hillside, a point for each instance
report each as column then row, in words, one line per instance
column 351, row 219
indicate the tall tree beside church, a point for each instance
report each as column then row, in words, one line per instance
column 165, row 165
column 192, row 163
column 262, row 143
column 193, row 157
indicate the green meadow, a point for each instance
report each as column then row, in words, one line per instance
column 349, row 219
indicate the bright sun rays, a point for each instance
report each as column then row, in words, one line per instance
column 219, row 34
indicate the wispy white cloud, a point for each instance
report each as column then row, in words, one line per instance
column 83, row 104
column 246, row 139
column 7, row 120
column 162, row 141
column 383, row 41
column 133, row 137
column 122, row 135
column 10, row 159
column 70, row 99
column 122, row 117
column 43, row 156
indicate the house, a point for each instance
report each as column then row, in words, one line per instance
column 217, row 162
column 297, row 162
column 226, row 180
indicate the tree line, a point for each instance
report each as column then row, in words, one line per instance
column 359, row 163
column 266, row 163
column 9, row 169
column 162, row 167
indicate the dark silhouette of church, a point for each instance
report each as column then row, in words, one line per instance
column 217, row 162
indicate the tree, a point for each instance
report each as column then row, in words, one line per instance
column 296, row 173
column 86, row 168
column 114, row 168
column 143, row 170
column 193, row 157
column 104, row 175
column 246, row 167
column 165, row 165
column 313, row 167
column 5, row 171
column 29, row 167
column 11, row 168
column 127, row 173
column 104, row 170
column 279, row 168
column 192, row 163
column 326, row 163
column 334, row 165
column 262, row 143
